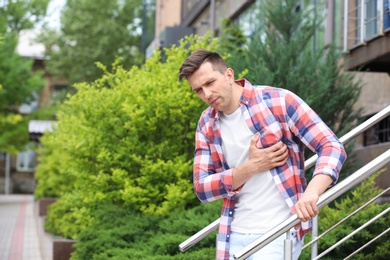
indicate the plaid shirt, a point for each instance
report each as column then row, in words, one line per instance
column 277, row 114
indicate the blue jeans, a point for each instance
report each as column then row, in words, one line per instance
column 273, row 251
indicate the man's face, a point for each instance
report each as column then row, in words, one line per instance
column 214, row 88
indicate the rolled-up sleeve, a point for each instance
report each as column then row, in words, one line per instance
column 210, row 181
column 316, row 135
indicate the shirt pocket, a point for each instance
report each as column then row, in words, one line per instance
column 270, row 136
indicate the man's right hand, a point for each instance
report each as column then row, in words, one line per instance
column 260, row 160
column 267, row 158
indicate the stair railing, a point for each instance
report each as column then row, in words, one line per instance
column 330, row 195
column 316, row 238
column 308, row 163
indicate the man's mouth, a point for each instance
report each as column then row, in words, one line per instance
column 214, row 101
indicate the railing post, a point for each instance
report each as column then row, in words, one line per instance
column 314, row 235
column 288, row 247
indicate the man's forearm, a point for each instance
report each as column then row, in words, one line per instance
column 242, row 173
column 319, row 184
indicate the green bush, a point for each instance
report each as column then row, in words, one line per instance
column 52, row 172
column 126, row 139
column 117, row 233
column 113, row 230
column 69, row 215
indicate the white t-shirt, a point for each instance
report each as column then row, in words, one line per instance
column 259, row 204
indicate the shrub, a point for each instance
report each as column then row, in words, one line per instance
column 117, row 233
column 113, row 230
column 126, row 139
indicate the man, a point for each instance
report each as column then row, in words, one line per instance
column 249, row 152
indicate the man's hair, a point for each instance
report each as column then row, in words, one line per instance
column 196, row 59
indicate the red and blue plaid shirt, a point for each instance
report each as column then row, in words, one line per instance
column 277, row 114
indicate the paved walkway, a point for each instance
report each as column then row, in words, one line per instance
column 18, row 228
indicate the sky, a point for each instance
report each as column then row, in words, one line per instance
column 54, row 12
column 27, row 47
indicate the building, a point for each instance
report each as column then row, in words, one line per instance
column 365, row 38
column 361, row 29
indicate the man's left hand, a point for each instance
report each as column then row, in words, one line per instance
column 306, row 207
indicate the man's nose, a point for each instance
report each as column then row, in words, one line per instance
column 207, row 92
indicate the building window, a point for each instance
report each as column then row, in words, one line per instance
column 353, row 29
column 386, row 14
column 379, row 133
column 30, row 107
column 188, row 5
column 357, row 18
column 250, row 20
column 59, row 93
column 25, row 161
column 58, row 90
column 372, row 19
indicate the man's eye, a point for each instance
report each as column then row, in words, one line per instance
column 197, row 91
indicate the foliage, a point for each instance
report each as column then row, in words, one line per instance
column 17, row 15
column 232, row 38
column 93, row 31
column 330, row 215
column 118, row 233
column 53, row 173
column 70, row 215
column 126, row 139
column 19, row 83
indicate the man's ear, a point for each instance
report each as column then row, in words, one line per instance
column 230, row 74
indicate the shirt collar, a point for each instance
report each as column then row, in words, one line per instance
column 248, row 90
column 245, row 97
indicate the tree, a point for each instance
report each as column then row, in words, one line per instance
column 94, row 31
column 20, row 15
column 19, row 83
column 232, row 38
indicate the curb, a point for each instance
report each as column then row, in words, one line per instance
column 52, row 247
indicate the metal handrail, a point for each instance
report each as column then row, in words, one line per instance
column 308, row 163
column 330, row 195
column 353, row 233
column 367, row 244
column 344, row 219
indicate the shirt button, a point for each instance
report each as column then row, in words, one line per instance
column 246, row 102
column 230, row 212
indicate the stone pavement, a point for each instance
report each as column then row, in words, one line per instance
column 18, row 228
